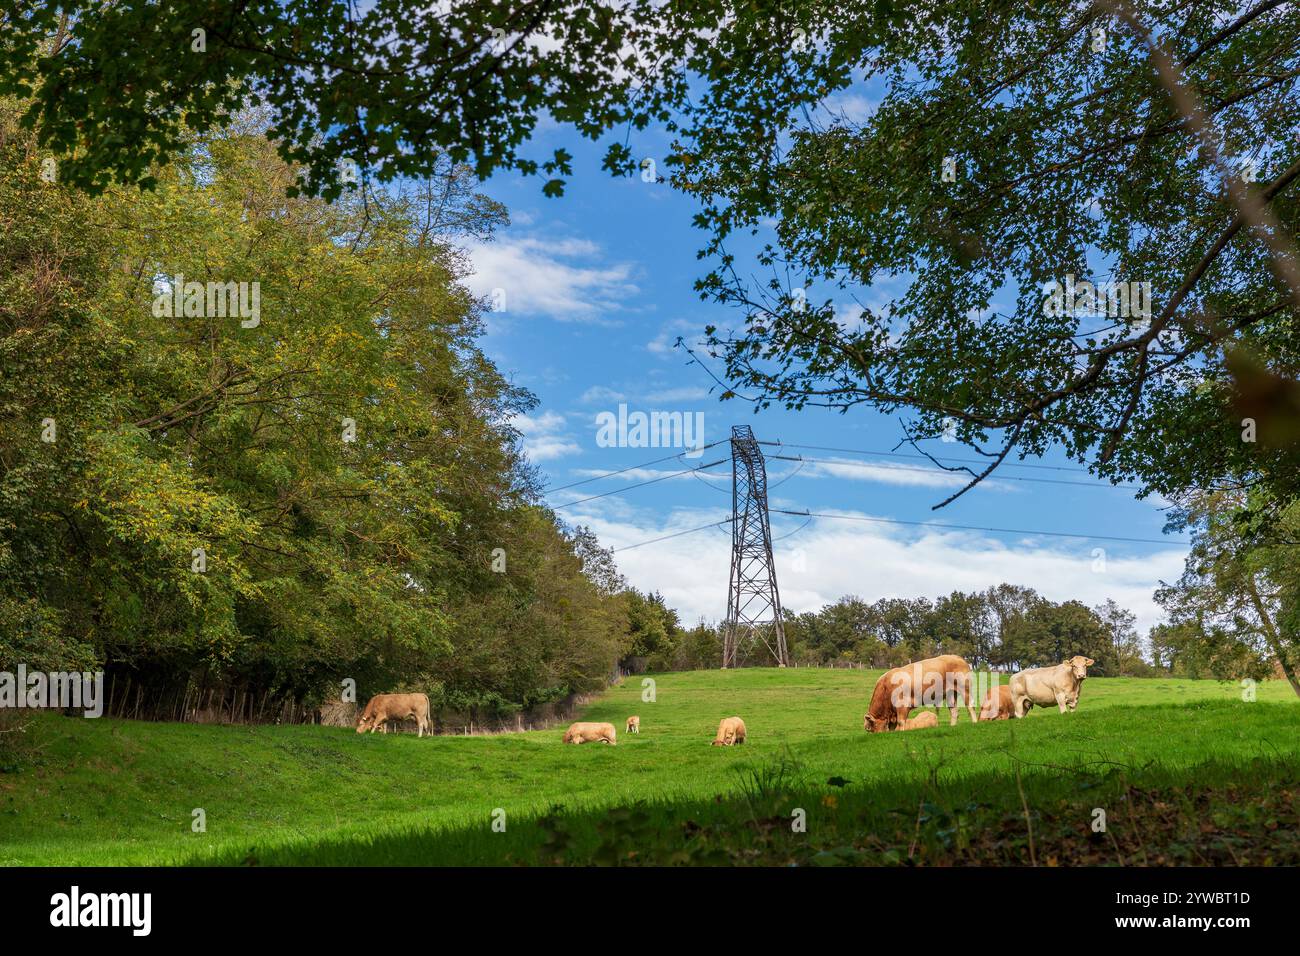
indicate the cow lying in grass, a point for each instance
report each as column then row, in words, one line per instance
column 589, row 733
column 1045, row 686
column 922, row 720
column 731, row 730
column 634, row 725
column 385, row 707
column 998, row 704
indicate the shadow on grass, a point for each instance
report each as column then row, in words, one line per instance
column 1212, row 814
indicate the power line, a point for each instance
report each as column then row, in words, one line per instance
column 678, row 534
column 963, row 527
column 901, row 454
column 639, row 484
column 932, row 471
column 657, row 461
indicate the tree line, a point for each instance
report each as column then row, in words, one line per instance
column 265, row 511
column 1006, row 628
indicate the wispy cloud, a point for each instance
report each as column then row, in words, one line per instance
column 545, row 437
column 563, row 279
column 893, row 473
column 664, row 343
column 599, row 393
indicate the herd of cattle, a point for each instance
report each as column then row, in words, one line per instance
column 935, row 682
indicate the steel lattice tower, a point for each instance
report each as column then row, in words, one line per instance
column 753, row 603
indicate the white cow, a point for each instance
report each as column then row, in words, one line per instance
column 1044, row 686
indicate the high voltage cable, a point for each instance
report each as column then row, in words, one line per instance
column 963, row 527
column 639, row 484
column 919, row 524
column 678, row 534
column 933, row 471
column 901, row 454
column 574, row 484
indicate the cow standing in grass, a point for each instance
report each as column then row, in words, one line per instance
column 929, row 683
column 1045, row 686
column 385, row 707
column 731, row 731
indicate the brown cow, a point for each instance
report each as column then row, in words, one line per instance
column 731, row 730
column 634, row 725
column 928, row 683
column 997, row 705
column 922, row 720
column 583, row 732
column 385, row 707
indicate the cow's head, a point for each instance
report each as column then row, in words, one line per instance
column 1079, row 664
column 363, row 723
column 876, row 725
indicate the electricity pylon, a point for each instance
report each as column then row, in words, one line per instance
column 753, row 603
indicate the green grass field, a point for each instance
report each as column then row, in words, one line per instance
column 123, row 792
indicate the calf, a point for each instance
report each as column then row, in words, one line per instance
column 634, row 725
column 922, row 720
column 998, row 704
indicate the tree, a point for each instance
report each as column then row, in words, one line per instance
column 1007, row 602
column 976, row 180
column 1049, row 633
column 1125, row 644
column 1236, row 593
column 1015, row 146
column 326, row 487
column 117, row 89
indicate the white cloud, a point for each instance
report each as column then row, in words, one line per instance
column 687, row 393
column 665, row 342
column 544, row 436
column 831, row 558
column 599, row 393
column 893, row 473
column 563, row 279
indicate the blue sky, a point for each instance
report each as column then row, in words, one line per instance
column 598, row 286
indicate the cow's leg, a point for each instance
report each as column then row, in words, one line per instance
column 1060, row 700
column 968, row 691
column 902, row 713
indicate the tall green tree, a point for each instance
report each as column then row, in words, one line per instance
column 326, row 486
column 1236, row 594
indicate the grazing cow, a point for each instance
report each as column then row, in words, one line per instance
column 928, row 683
column 998, row 704
column 922, row 720
column 589, row 733
column 731, row 730
column 385, row 707
column 1044, row 686
column 634, row 725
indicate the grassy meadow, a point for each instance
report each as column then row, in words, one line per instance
column 1186, row 771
